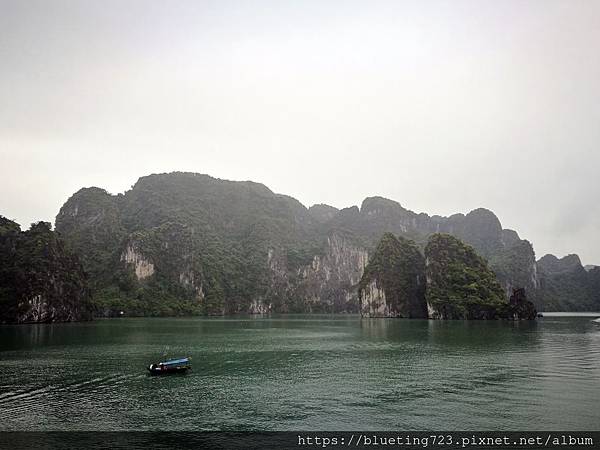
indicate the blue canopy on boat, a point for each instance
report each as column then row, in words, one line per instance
column 172, row 362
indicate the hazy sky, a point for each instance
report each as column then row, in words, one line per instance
column 444, row 106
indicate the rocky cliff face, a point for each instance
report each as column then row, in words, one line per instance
column 393, row 284
column 330, row 280
column 184, row 243
column 565, row 285
column 374, row 303
column 40, row 280
column 515, row 267
column 212, row 246
column 512, row 258
column 326, row 284
column 142, row 266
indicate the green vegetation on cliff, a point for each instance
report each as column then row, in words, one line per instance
column 398, row 268
column 40, row 280
column 207, row 241
column 453, row 282
column 460, row 285
column 186, row 243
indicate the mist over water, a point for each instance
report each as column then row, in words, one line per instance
column 302, row 372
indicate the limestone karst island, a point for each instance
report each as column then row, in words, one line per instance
column 189, row 244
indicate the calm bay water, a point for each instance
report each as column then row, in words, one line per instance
column 302, row 372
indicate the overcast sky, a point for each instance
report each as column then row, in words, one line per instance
column 444, row 106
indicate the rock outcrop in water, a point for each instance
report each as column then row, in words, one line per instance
column 40, row 280
column 521, row 308
column 460, row 285
column 452, row 283
column 185, row 243
column 393, row 284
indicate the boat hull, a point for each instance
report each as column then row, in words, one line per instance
column 168, row 371
column 172, row 366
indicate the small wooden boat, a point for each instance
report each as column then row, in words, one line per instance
column 171, row 366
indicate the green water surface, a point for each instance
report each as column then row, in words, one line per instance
column 303, row 372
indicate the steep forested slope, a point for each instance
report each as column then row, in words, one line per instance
column 40, row 280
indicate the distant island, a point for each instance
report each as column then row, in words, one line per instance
column 190, row 244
